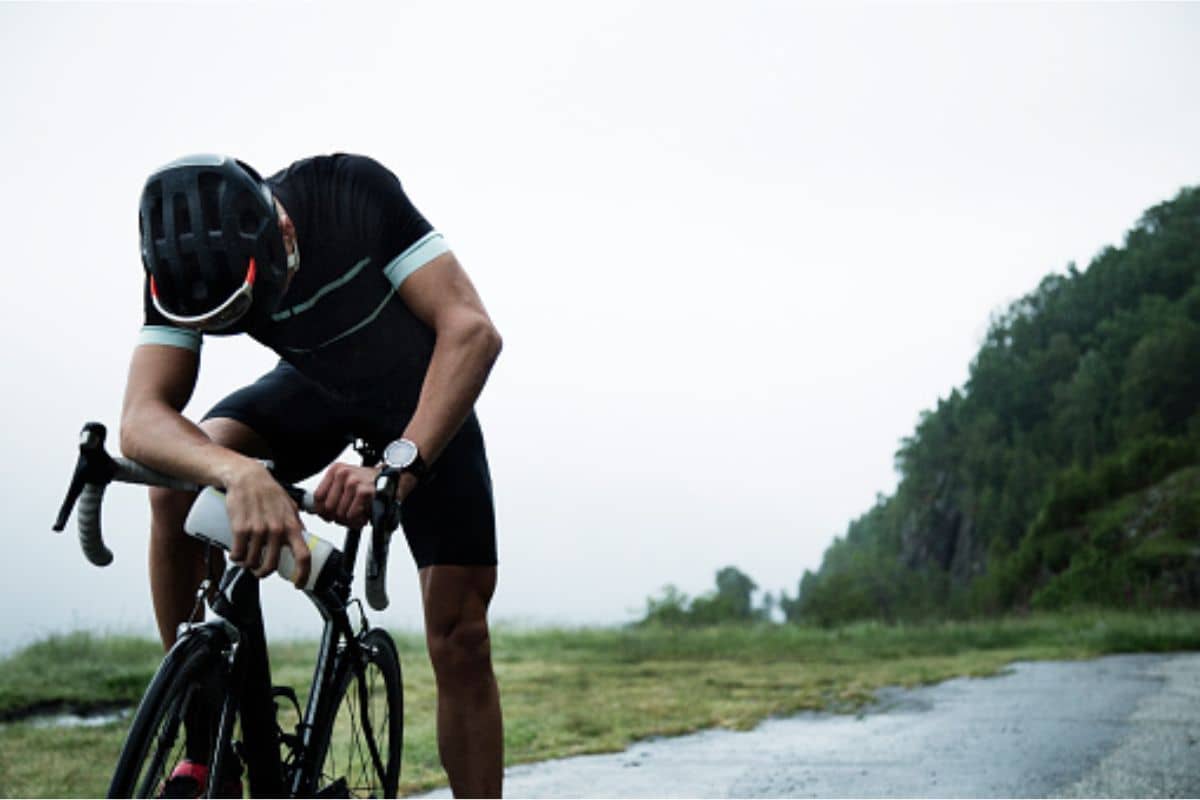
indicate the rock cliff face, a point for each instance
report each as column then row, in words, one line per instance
column 943, row 535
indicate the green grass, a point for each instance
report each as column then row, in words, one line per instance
column 77, row 672
column 568, row 692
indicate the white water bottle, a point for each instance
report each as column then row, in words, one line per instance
column 209, row 521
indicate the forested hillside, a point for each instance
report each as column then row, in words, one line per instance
column 1062, row 473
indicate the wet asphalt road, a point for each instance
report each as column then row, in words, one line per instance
column 1121, row 726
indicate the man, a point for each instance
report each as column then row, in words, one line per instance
column 382, row 336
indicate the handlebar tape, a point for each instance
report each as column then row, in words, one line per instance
column 376, row 580
column 91, row 537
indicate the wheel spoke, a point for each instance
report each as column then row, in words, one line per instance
column 364, row 743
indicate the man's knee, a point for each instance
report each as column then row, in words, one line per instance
column 456, row 602
column 461, row 651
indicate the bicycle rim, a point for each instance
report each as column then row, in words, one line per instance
column 177, row 708
column 362, row 754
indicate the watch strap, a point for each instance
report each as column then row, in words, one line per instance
column 418, row 468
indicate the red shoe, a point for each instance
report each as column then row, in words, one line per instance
column 190, row 779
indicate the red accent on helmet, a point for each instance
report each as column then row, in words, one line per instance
column 250, row 272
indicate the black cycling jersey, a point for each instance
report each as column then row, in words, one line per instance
column 356, row 354
column 341, row 322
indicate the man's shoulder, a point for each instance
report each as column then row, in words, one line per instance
column 333, row 166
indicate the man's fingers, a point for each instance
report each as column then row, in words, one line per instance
column 322, row 496
column 322, row 488
column 237, row 551
column 253, row 550
column 334, row 495
column 362, row 505
column 270, row 555
column 346, row 506
column 302, row 556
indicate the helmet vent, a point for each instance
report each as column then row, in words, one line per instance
column 210, row 193
column 156, row 219
column 248, row 222
column 190, row 267
column 183, row 220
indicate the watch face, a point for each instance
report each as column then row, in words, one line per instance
column 400, row 454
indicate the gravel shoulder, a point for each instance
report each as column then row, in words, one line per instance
column 1119, row 726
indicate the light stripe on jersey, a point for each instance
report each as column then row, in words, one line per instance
column 422, row 251
column 170, row 336
column 388, row 296
column 337, row 283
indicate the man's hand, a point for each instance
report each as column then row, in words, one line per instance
column 345, row 494
column 264, row 518
column 346, row 491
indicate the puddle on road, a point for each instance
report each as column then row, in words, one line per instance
column 69, row 720
column 72, row 719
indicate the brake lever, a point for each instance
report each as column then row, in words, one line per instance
column 385, row 511
column 94, row 467
column 385, row 518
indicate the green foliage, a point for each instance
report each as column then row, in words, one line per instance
column 1014, row 490
column 731, row 603
column 672, row 608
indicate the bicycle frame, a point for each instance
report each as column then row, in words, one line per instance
column 238, row 608
column 238, row 629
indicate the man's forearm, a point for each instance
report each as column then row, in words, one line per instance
column 156, row 435
column 463, row 356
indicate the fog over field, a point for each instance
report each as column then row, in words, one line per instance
column 734, row 249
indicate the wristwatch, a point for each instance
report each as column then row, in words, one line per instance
column 402, row 456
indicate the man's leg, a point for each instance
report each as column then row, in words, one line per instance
column 176, row 559
column 470, row 730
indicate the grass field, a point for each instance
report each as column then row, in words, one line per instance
column 568, row 692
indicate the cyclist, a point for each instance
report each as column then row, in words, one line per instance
column 381, row 335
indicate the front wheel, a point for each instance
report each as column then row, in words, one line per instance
column 176, row 719
column 360, row 756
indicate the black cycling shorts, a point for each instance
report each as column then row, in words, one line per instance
column 448, row 519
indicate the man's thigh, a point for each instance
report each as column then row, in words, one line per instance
column 236, row 435
column 449, row 519
column 284, row 417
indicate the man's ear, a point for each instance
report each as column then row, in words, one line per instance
column 286, row 226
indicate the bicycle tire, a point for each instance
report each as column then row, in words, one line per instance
column 157, row 738
column 347, row 765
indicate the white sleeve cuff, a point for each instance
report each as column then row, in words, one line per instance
column 170, row 336
column 424, row 250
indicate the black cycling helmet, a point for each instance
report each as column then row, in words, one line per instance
column 211, row 243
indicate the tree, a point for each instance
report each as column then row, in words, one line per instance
column 734, row 589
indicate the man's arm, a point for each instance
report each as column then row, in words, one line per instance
column 466, row 346
column 155, row 433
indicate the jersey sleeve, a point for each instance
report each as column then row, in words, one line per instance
column 406, row 239
column 157, row 330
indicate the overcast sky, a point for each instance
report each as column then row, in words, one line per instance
column 734, row 249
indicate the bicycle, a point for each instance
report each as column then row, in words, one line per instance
column 217, row 675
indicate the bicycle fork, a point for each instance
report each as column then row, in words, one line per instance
column 250, row 695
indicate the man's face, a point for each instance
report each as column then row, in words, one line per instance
column 290, row 243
